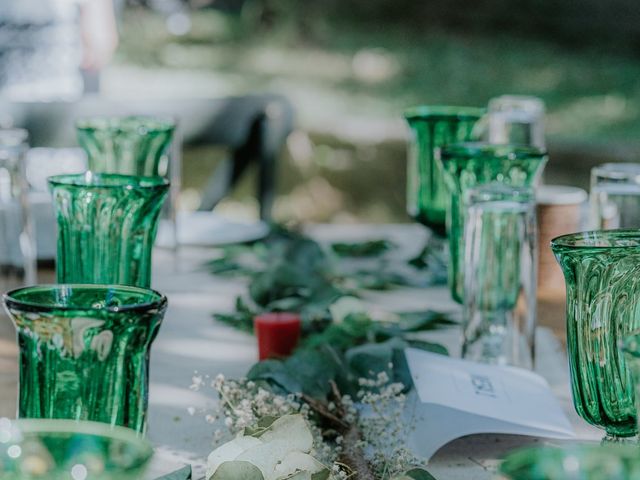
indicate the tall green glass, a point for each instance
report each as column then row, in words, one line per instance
column 468, row 165
column 602, row 276
column 572, row 462
column 132, row 145
column 433, row 127
column 84, row 351
column 70, row 450
column 106, row 227
column 631, row 348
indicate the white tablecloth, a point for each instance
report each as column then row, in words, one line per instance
column 190, row 340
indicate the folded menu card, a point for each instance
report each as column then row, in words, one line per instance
column 457, row 397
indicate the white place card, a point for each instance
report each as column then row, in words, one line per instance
column 457, row 397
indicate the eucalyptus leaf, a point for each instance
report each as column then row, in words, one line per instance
column 229, row 451
column 297, row 476
column 368, row 360
column 275, row 373
column 294, row 429
column 323, row 475
column 237, row 470
column 419, row 474
column 370, row 248
column 262, row 426
column 428, row 346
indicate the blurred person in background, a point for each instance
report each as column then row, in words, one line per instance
column 54, row 50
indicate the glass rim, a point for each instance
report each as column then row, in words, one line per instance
column 114, row 123
column 83, row 427
column 80, row 180
column 491, row 151
column 529, row 455
column 495, row 191
column 617, row 171
column 567, row 241
column 10, row 301
column 426, row 112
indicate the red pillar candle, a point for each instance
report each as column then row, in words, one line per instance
column 278, row 334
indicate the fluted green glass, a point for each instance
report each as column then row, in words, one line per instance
column 84, row 351
column 602, row 276
column 579, row 462
column 467, row 165
column 631, row 349
column 106, row 227
column 132, row 145
column 433, row 127
column 70, row 450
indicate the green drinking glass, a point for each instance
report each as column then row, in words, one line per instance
column 572, row 462
column 602, row 276
column 468, row 165
column 131, row 145
column 433, row 127
column 631, row 348
column 106, row 227
column 70, row 450
column 84, row 351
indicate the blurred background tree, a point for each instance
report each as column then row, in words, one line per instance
column 351, row 67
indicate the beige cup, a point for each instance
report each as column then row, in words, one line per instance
column 560, row 210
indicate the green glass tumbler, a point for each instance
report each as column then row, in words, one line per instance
column 572, row 462
column 106, row 227
column 131, row 145
column 84, row 351
column 468, row 165
column 433, row 127
column 70, row 450
column 602, row 276
column 631, row 348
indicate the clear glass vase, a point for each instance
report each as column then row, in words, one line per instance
column 106, row 227
column 18, row 252
column 468, row 165
column 84, row 351
column 70, row 450
column 602, row 277
column 433, row 127
column 500, row 279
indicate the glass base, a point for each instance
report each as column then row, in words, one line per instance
column 610, row 438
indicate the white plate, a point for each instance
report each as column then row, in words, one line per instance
column 207, row 229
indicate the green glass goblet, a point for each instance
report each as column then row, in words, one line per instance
column 631, row 348
column 106, row 227
column 468, row 165
column 602, row 276
column 131, row 145
column 70, row 450
column 572, row 462
column 84, row 351
column 433, row 127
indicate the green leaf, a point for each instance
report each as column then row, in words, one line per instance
column 261, row 427
column 182, row 474
column 428, row 346
column 323, row 475
column 236, row 470
column 371, row 248
column 275, row 373
column 368, row 360
column 419, row 474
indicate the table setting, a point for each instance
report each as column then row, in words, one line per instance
column 169, row 346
